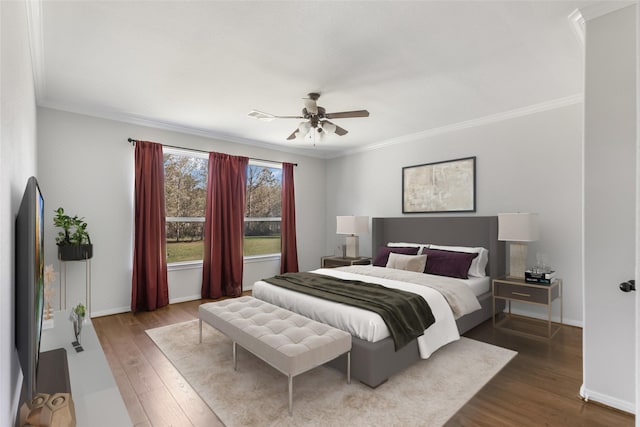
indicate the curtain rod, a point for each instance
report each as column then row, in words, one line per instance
column 133, row 142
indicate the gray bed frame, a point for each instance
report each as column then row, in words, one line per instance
column 374, row 363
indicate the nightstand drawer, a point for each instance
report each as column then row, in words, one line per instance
column 522, row 293
column 334, row 261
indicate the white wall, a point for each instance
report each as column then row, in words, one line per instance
column 17, row 163
column 609, row 208
column 87, row 168
column 525, row 164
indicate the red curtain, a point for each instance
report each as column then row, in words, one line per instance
column 224, row 226
column 289, row 248
column 149, row 288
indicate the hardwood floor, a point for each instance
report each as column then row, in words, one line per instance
column 539, row 387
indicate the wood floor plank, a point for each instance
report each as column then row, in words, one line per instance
column 129, row 396
column 538, row 387
column 195, row 409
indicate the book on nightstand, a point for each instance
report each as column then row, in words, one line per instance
column 543, row 278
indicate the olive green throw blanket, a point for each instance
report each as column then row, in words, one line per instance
column 406, row 314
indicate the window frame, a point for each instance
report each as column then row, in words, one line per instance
column 183, row 265
column 274, row 255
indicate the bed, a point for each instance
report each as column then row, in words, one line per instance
column 375, row 359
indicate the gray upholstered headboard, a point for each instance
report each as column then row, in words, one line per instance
column 453, row 231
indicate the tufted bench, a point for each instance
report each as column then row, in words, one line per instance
column 289, row 342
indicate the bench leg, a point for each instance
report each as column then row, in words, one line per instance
column 290, row 395
column 235, row 359
column 348, row 367
column 200, row 326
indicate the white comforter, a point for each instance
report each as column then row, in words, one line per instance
column 361, row 323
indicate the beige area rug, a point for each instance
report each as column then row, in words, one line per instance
column 426, row 394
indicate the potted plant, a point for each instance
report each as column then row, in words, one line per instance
column 73, row 241
column 77, row 317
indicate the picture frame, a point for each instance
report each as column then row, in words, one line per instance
column 439, row 187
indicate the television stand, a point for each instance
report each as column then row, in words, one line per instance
column 95, row 394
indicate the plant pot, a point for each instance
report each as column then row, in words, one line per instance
column 75, row 252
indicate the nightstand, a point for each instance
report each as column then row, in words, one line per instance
column 337, row 261
column 516, row 289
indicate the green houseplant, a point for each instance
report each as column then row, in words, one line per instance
column 77, row 317
column 74, row 242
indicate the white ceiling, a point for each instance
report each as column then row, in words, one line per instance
column 201, row 66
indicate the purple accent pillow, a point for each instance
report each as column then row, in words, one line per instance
column 448, row 263
column 383, row 254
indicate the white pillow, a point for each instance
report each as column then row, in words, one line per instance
column 415, row 263
column 420, row 246
column 479, row 263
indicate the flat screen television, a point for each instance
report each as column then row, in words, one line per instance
column 29, row 284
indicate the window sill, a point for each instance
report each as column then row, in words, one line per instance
column 185, row 265
column 261, row 258
column 193, row 265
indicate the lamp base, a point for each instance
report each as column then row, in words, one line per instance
column 517, row 259
column 352, row 247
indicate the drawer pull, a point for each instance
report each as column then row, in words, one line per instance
column 521, row 294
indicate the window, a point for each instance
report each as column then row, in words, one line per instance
column 263, row 209
column 185, row 193
column 185, row 203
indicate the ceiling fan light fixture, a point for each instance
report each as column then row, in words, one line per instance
column 303, row 130
column 315, row 117
column 328, row 127
column 304, row 127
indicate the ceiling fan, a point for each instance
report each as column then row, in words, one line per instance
column 315, row 118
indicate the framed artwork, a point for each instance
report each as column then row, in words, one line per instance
column 448, row 186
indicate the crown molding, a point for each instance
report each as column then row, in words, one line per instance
column 36, row 44
column 481, row 121
column 174, row 127
column 578, row 25
column 418, row 136
column 599, row 9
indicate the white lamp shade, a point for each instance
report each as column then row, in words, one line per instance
column 303, row 130
column 328, row 127
column 353, row 225
column 518, row 227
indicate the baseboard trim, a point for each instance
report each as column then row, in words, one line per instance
column 603, row 399
column 184, row 299
column 110, row 311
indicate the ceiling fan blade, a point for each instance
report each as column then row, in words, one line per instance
column 347, row 114
column 267, row 117
column 261, row 115
column 329, row 127
column 293, row 135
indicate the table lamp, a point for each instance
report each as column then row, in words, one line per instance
column 518, row 229
column 353, row 226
